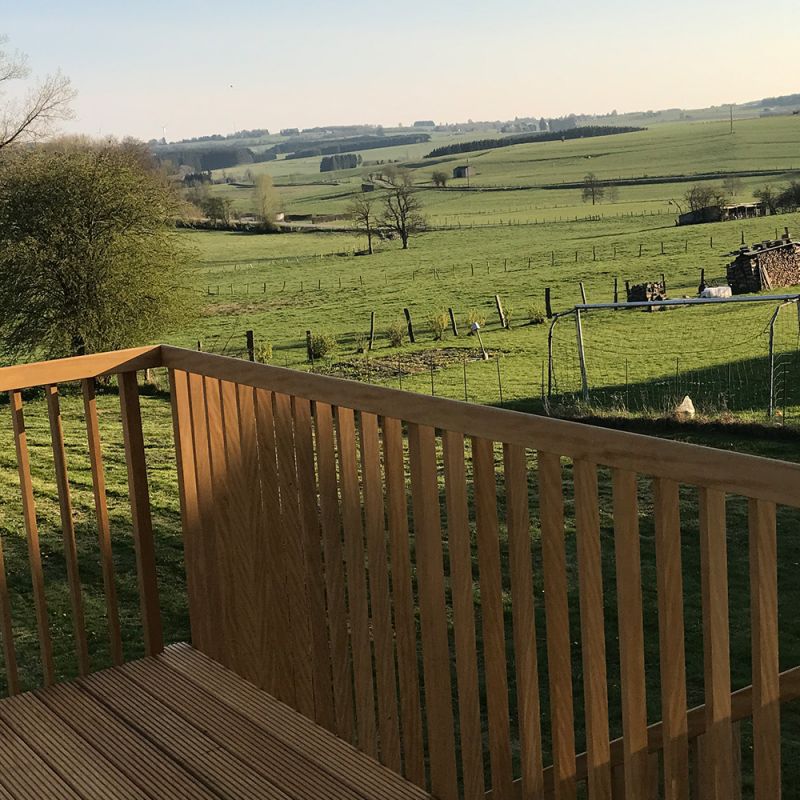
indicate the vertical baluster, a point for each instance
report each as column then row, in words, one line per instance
column 295, row 565
column 312, row 551
column 631, row 633
column 187, row 493
column 403, row 595
column 764, row 631
column 433, row 613
column 208, row 626
column 494, row 646
column 587, row 523
column 334, row 574
column 716, row 643
column 32, row 532
column 275, row 639
column 357, row 584
column 140, row 511
column 525, row 657
column 671, row 639
column 67, row 529
column 101, row 514
column 559, row 659
column 382, row 629
column 458, row 540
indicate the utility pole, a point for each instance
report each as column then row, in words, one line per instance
column 731, row 117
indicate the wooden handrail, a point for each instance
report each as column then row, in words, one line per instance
column 63, row 370
column 735, row 473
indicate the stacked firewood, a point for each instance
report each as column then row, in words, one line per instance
column 767, row 265
column 644, row 292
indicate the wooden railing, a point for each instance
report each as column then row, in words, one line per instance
column 443, row 584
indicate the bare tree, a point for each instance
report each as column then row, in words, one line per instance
column 439, row 178
column 402, row 210
column 34, row 113
column 593, row 189
column 362, row 210
column 699, row 196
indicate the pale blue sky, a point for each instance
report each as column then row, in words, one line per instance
column 201, row 67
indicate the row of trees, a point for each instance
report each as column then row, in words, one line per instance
column 779, row 199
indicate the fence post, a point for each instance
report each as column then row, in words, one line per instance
column 453, row 321
column 503, row 321
column 251, row 346
column 410, row 326
column 309, row 353
column 771, row 409
column 371, row 330
column 547, row 307
column 581, row 355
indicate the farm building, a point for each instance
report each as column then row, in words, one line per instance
column 765, row 265
column 721, row 213
column 367, row 187
column 464, row 171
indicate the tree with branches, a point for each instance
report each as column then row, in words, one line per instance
column 362, row 210
column 34, row 113
column 593, row 189
column 90, row 259
column 402, row 209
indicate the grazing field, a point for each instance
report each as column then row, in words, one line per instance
column 512, row 243
column 507, row 234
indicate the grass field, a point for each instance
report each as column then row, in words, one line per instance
column 511, row 243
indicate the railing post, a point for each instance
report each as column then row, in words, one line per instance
column 140, row 512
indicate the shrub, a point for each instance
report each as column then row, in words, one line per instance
column 397, row 334
column 361, row 342
column 536, row 315
column 322, row 344
column 508, row 312
column 475, row 316
column 263, row 353
column 438, row 323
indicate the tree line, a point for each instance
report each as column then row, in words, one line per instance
column 585, row 132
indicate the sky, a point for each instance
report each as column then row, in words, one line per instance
column 195, row 68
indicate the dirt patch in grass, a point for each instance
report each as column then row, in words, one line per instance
column 366, row 367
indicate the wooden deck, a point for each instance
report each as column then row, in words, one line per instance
column 176, row 725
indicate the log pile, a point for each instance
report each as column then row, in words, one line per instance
column 765, row 265
column 643, row 292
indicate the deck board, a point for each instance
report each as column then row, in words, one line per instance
column 177, row 725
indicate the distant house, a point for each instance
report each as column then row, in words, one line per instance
column 464, row 171
column 424, row 123
column 367, row 187
column 722, row 213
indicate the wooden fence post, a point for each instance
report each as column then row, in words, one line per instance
column 309, row 353
column 251, row 346
column 616, row 290
column 547, row 307
column 371, row 330
column 453, row 321
column 410, row 326
column 503, row 321
column 583, row 292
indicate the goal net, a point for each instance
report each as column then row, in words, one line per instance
column 728, row 357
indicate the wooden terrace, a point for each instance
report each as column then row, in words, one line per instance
column 398, row 596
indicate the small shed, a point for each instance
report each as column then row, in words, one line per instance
column 765, row 265
column 464, row 171
column 367, row 187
